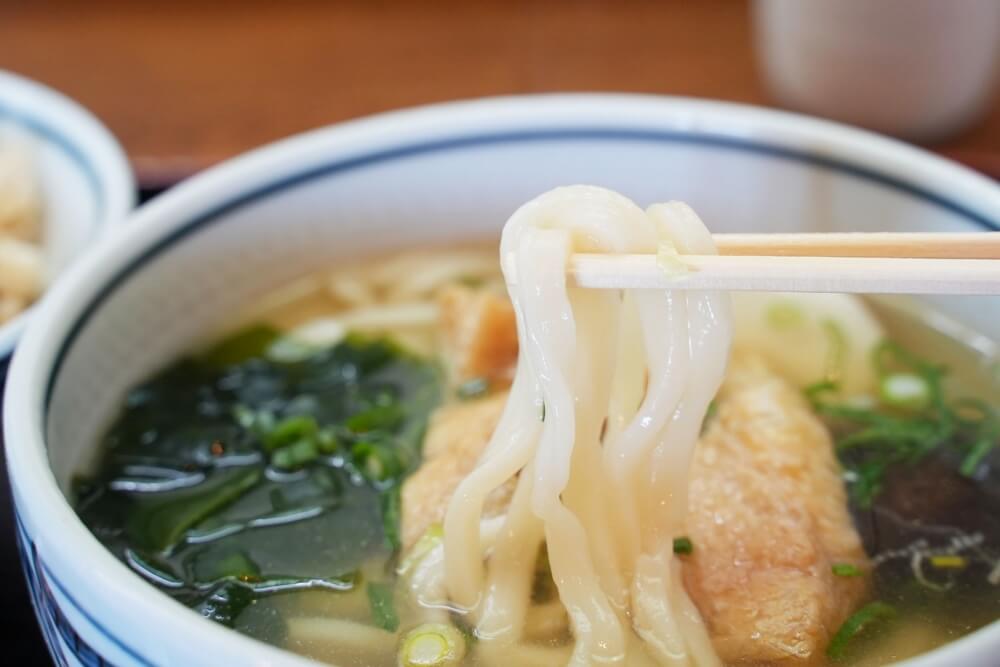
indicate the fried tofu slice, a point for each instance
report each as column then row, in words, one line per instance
column 479, row 334
column 456, row 437
column 768, row 517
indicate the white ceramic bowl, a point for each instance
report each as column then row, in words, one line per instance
column 86, row 181
column 197, row 253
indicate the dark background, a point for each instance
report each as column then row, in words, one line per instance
column 18, row 629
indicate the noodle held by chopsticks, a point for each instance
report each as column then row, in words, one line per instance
column 599, row 430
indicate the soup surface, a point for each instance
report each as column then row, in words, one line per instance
column 259, row 479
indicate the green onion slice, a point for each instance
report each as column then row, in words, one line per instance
column 683, row 545
column 432, row 645
column 905, row 390
column 872, row 614
column 846, row 570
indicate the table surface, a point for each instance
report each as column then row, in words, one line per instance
column 186, row 84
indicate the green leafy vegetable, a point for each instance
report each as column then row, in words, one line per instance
column 222, row 462
column 872, row 615
column 236, row 565
column 159, row 521
column 383, row 608
column 226, row 603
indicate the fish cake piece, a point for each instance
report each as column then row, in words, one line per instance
column 768, row 518
column 479, row 334
column 456, row 437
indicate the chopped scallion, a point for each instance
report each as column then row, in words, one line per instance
column 432, row 645
column 872, row 614
column 837, row 348
column 784, row 314
column 295, row 455
column 381, row 417
column 817, row 390
column 912, row 419
column 327, row 441
column 683, row 545
column 383, row 607
column 290, row 430
column 713, row 407
column 846, row 570
column 392, row 510
column 976, row 455
column 905, row 390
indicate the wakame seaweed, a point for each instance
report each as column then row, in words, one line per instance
column 222, row 462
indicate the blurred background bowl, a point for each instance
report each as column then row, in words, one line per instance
column 86, row 182
column 197, row 254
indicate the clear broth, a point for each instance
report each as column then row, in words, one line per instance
column 348, row 539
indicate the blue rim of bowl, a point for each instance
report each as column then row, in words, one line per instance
column 63, row 143
column 216, row 213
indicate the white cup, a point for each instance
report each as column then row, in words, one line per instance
column 919, row 69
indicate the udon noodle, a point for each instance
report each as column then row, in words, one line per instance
column 608, row 398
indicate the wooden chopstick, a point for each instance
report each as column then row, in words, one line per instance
column 865, row 275
column 945, row 245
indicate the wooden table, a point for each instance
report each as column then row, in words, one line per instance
column 185, row 84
